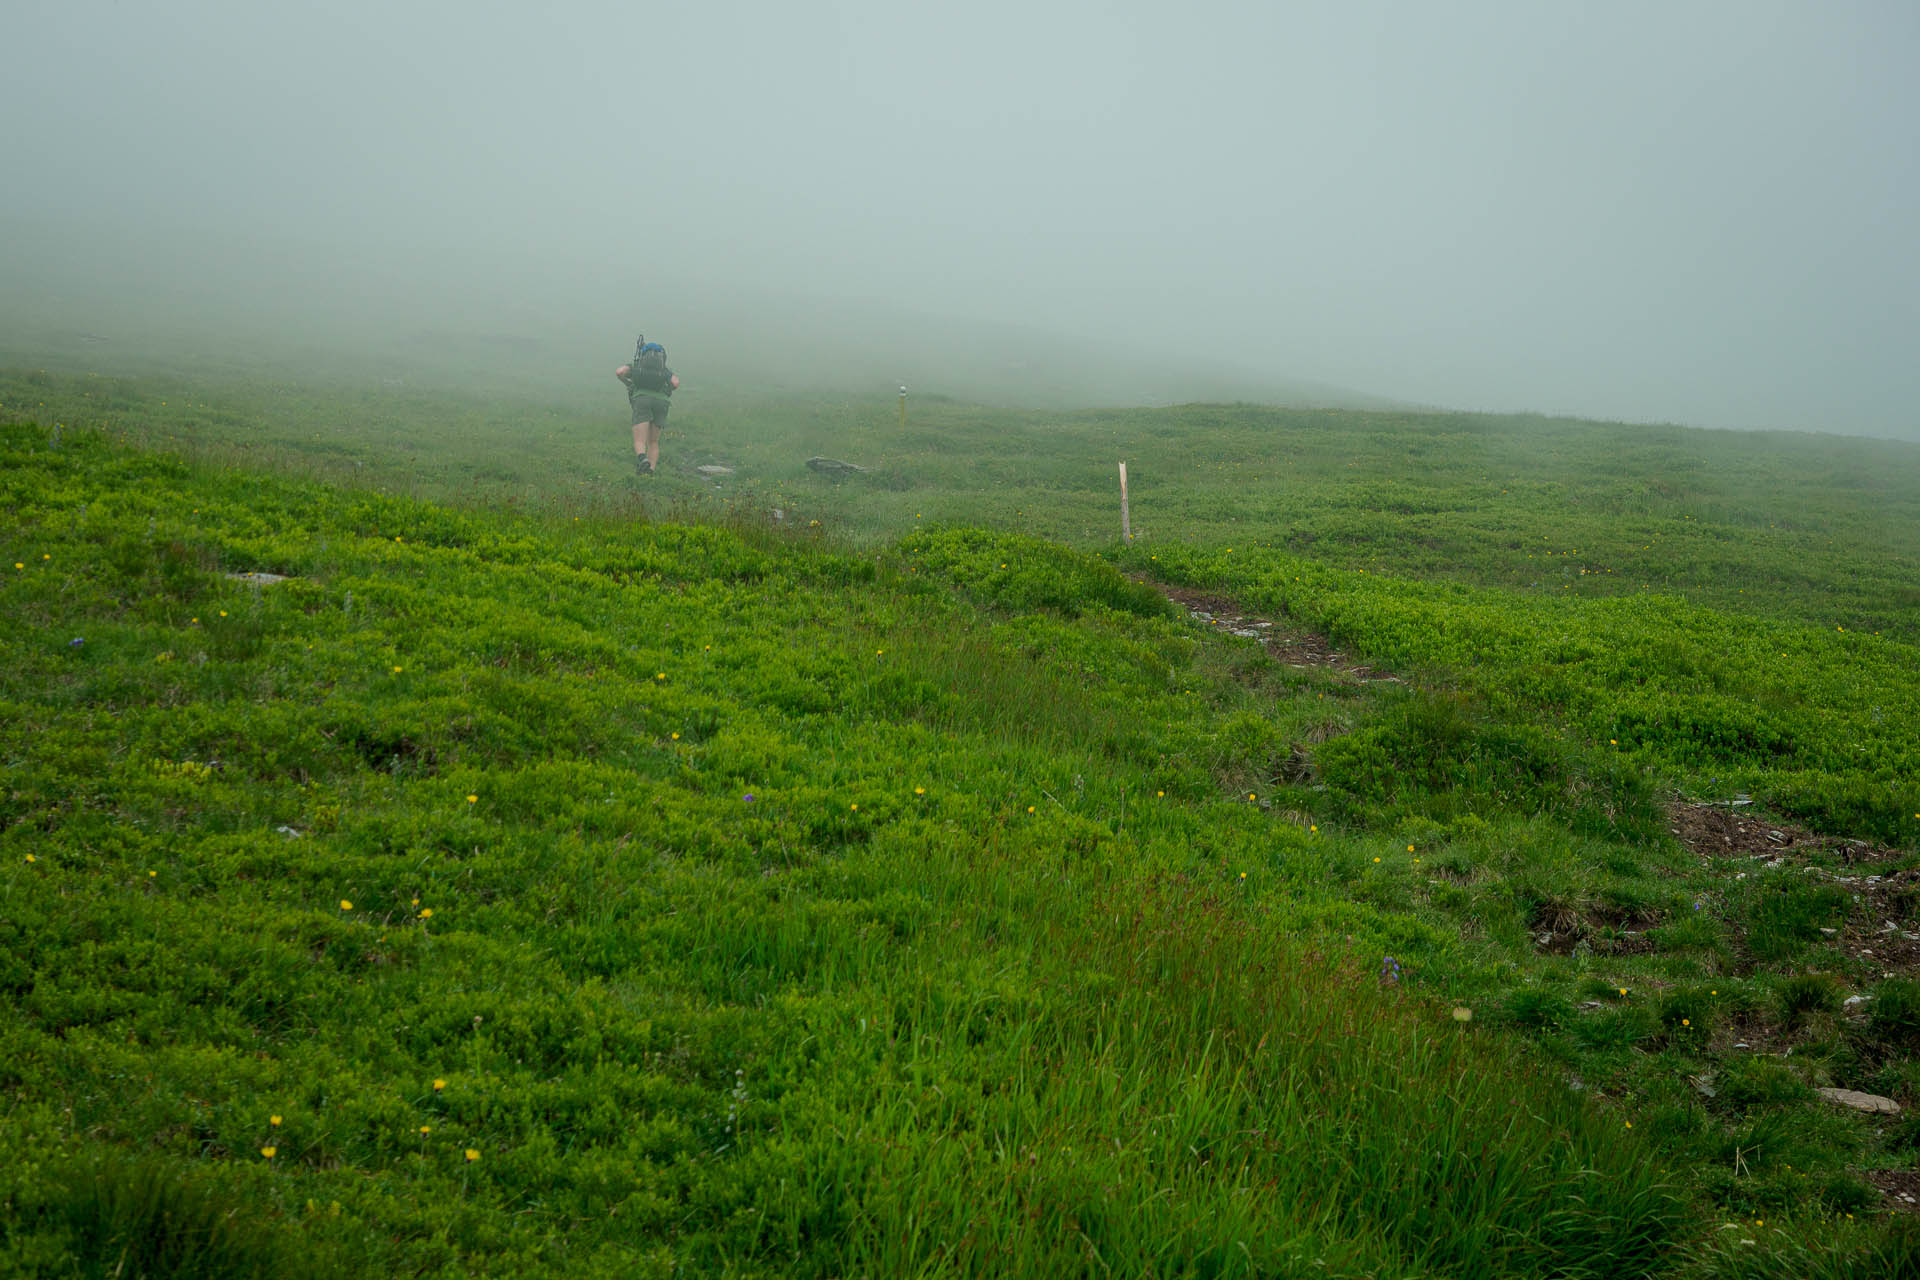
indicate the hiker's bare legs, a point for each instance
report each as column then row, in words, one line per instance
column 640, row 432
column 652, row 443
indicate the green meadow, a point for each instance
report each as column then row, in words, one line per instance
column 558, row 872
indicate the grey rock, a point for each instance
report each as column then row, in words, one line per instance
column 1872, row 1103
column 833, row 466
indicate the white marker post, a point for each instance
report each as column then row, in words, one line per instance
column 903, row 406
column 1126, row 525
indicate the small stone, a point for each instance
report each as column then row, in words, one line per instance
column 1872, row 1103
column 833, row 466
column 714, row 470
column 259, row 579
column 1853, row 1001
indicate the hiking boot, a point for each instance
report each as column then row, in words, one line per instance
column 641, row 467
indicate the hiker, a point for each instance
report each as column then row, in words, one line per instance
column 649, row 383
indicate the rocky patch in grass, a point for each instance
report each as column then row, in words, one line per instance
column 1728, row 828
column 1877, row 928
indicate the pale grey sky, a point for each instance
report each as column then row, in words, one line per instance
column 1699, row 212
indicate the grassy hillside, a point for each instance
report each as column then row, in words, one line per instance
column 572, row 890
column 1817, row 529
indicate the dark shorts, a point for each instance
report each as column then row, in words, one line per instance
column 648, row 408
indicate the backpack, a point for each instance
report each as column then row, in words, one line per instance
column 650, row 372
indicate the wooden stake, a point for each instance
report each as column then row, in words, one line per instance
column 1126, row 525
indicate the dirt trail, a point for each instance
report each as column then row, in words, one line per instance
column 1299, row 649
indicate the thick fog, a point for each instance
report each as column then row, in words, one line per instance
column 1703, row 212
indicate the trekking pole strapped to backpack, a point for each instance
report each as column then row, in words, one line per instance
column 650, row 372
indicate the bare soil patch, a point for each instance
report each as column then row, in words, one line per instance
column 1724, row 830
column 1609, row 931
column 1899, row 1188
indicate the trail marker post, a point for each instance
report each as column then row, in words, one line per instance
column 1126, row 525
column 903, row 406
